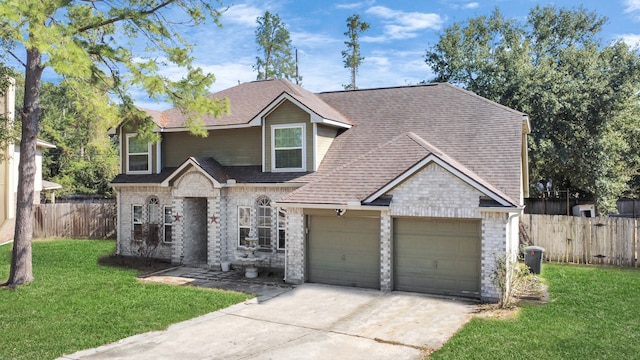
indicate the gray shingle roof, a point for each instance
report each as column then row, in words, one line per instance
column 363, row 176
column 359, row 178
column 393, row 129
column 482, row 135
column 241, row 174
column 247, row 100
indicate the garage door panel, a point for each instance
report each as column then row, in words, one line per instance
column 344, row 251
column 439, row 256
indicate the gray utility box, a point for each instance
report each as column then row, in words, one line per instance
column 533, row 258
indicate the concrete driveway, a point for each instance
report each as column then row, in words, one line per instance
column 311, row 321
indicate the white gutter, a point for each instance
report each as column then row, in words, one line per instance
column 517, row 210
column 210, row 127
column 348, row 206
column 268, row 185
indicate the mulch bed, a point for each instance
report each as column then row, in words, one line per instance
column 531, row 291
column 141, row 265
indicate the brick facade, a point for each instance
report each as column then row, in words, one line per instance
column 433, row 192
column 295, row 266
column 141, row 195
column 236, row 196
column 447, row 196
column 218, row 205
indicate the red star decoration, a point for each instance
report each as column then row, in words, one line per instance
column 177, row 217
column 214, row 219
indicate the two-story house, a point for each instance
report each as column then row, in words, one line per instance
column 414, row 188
column 9, row 160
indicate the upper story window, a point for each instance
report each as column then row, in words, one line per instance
column 138, row 155
column 288, row 147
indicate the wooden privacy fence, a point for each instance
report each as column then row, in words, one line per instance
column 96, row 221
column 581, row 240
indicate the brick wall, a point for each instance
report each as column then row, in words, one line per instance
column 295, row 246
column 386, row 252
column 432, row 192
column 140, row 195
column 435, row 192
column 221, row 217
column 231, row 199
column 494, row 232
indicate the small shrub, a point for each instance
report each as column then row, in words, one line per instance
column 509, row 276
column 145, row 240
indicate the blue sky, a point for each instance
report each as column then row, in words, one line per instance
column 393, row 47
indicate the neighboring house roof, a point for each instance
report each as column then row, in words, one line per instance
column 367, row 177
column 247, row 101
column 44, row 144
column 50, row 185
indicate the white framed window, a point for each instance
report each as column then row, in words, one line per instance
column 138, row 155
column 288, row 148
column 244, row 223
column 168, row 224
column 282, row 228
column 153, row 210
column 264, row 221
column 137, row 220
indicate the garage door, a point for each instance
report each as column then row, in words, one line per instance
column 437, row 256
column 344, row 250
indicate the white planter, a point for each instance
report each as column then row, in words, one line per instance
column 225, row 265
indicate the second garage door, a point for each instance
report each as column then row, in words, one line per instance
column 344, row 250
column 437, row 256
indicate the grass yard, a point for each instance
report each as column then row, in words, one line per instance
column 593, row 313
column 75, row 304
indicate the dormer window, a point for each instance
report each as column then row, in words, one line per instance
column 138, row 155
column 288, row 147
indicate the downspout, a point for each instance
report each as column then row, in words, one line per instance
column 509, row 234
column 286, row 260
column 286, row 250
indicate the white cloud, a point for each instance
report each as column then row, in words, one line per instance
column 379, row 61
column 633, row 40
column 242, row 14
column 471, row 5
column 308, row 40
column 405, row 25
column 349, row 6
column 374, row 39
column 631, row 6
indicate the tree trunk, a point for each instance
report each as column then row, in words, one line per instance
column 21, row 265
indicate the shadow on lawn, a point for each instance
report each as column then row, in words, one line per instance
column 143, row 266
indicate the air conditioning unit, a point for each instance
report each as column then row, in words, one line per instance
column 584, row 210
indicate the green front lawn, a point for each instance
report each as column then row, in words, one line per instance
column 75, row 304
column 593, row 313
